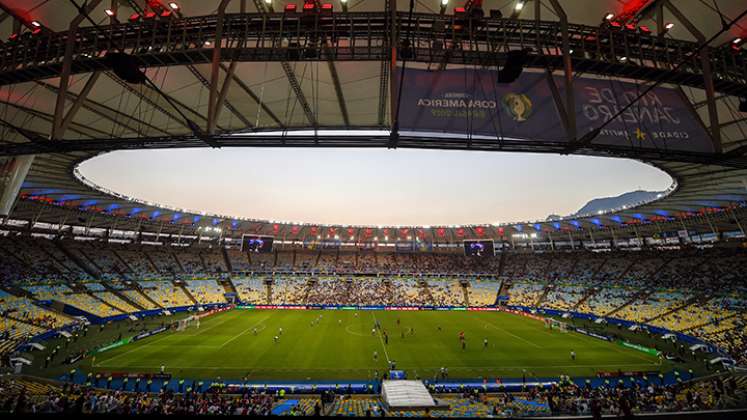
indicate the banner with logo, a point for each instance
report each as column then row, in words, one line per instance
column 644, row 349
column 114, row 345
column 469, row 101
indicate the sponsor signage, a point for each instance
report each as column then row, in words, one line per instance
column 640, row 348
column 148, row 334
column 469, row 101
column 114, row 345
column 592, row 334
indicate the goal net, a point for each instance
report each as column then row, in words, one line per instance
column 191, row 321
column 554, row 324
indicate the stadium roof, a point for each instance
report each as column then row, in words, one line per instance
column 269, row 97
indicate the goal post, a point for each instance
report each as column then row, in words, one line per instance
column 191, row 321
column 554, row 324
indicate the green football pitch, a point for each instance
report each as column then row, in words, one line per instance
column 335, row 345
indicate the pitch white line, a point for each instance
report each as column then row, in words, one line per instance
column 133, row 349
column 244, row 332
column 512, row 334
column 347, row 330
column 494, row 367
column 386, row 354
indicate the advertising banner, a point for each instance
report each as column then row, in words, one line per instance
column 644, row 349
column 469, row 101
column 114, row 345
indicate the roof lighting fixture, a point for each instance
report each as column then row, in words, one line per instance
column 669, row 25
column 736, row 41
column 173, row 5
column 623, row 58
column 134, row 17
column 609, row 16
column 35, row 23
column 519, row 6
column 110, row 12
column 208, row 43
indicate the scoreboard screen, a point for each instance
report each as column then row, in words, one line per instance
column 479, row 248
column 256, row 244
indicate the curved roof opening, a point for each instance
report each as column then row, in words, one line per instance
column 371, row 186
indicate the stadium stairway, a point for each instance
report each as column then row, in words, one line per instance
column 544, row 294
column 124, row 263
column 17, row 291
column 109, row 304
column 677, row 308
column 268, row 288
column 228, row 286
column 598, row 269
column 151, row 262
column 226, row 260
column 178, row 261
column 186, row 291
column 136, row 286
column 465, row 294
column 590, row 292
column 74, row 258
column 713, row 321
column 642, row 295
column 121, row 295
column 574, row 264
column 501, row 264
column 23, row 321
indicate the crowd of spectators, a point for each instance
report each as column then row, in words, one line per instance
column 647, row 395
column 699, row 292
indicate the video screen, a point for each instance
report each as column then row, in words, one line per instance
column 256, row 244
column 479, row 248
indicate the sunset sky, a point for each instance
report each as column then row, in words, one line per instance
column 371, row 186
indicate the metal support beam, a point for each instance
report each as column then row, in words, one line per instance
column 240, row 83
column 145, row 98
column 393, row 41
column 336, row 82
column 207, row 84
column 50, row 119
column 67, row 64
column 213, row 102
column 570, row 99
column 705, row 63
column 97, row 108
column 78, row 102
column 296, row 87
column 291, row 75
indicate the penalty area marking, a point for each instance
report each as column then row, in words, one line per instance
column 512, row 334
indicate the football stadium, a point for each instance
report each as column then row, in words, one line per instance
column 114, row 301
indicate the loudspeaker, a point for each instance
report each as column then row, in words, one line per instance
column 511, row 71
column 743, row 105
column 126, row 67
